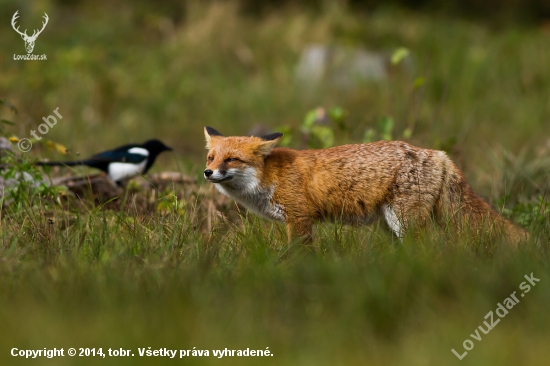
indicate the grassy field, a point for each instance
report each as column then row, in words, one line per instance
column 182, row 267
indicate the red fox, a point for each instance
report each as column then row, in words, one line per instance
column 404, row 184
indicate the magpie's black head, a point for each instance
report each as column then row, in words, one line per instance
column 155, row 147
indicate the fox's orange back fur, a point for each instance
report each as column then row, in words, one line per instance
column 403, row 183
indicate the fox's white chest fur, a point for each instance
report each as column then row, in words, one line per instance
column 245, row 189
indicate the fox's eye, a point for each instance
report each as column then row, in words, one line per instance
column 229, row 160
column 210, row 159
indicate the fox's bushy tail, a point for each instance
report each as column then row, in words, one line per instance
column 464, row 209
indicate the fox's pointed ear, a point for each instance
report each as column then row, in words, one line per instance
column 272, row 136
column 268, row 143
column 210, row 133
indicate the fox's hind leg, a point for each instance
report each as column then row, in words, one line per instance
column 411, row 207
column 414, row 193
column 396, row 225
column 402, row 216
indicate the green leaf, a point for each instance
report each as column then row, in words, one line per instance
column 418, row 82
column 399, row 54
column 385, row 126
column 310, row 119
column 287, row 135
column 338, row 114
column 7, row 122
column 324, row 135
column 369, row 135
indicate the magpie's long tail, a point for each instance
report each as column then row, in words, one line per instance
column 61, row 163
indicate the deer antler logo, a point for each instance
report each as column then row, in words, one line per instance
column 29, row 40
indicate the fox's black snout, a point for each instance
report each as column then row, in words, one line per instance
column 208, row 173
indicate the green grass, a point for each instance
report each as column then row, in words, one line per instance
column 182, row 267
column 154, row 282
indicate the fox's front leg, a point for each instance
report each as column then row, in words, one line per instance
column 300, row 229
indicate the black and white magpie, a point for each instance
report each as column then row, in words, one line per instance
column 122, row 163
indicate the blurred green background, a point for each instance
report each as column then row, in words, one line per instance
column 474, row 81
column 127, row 71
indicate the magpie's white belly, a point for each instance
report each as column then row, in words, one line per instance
column 121, row 171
